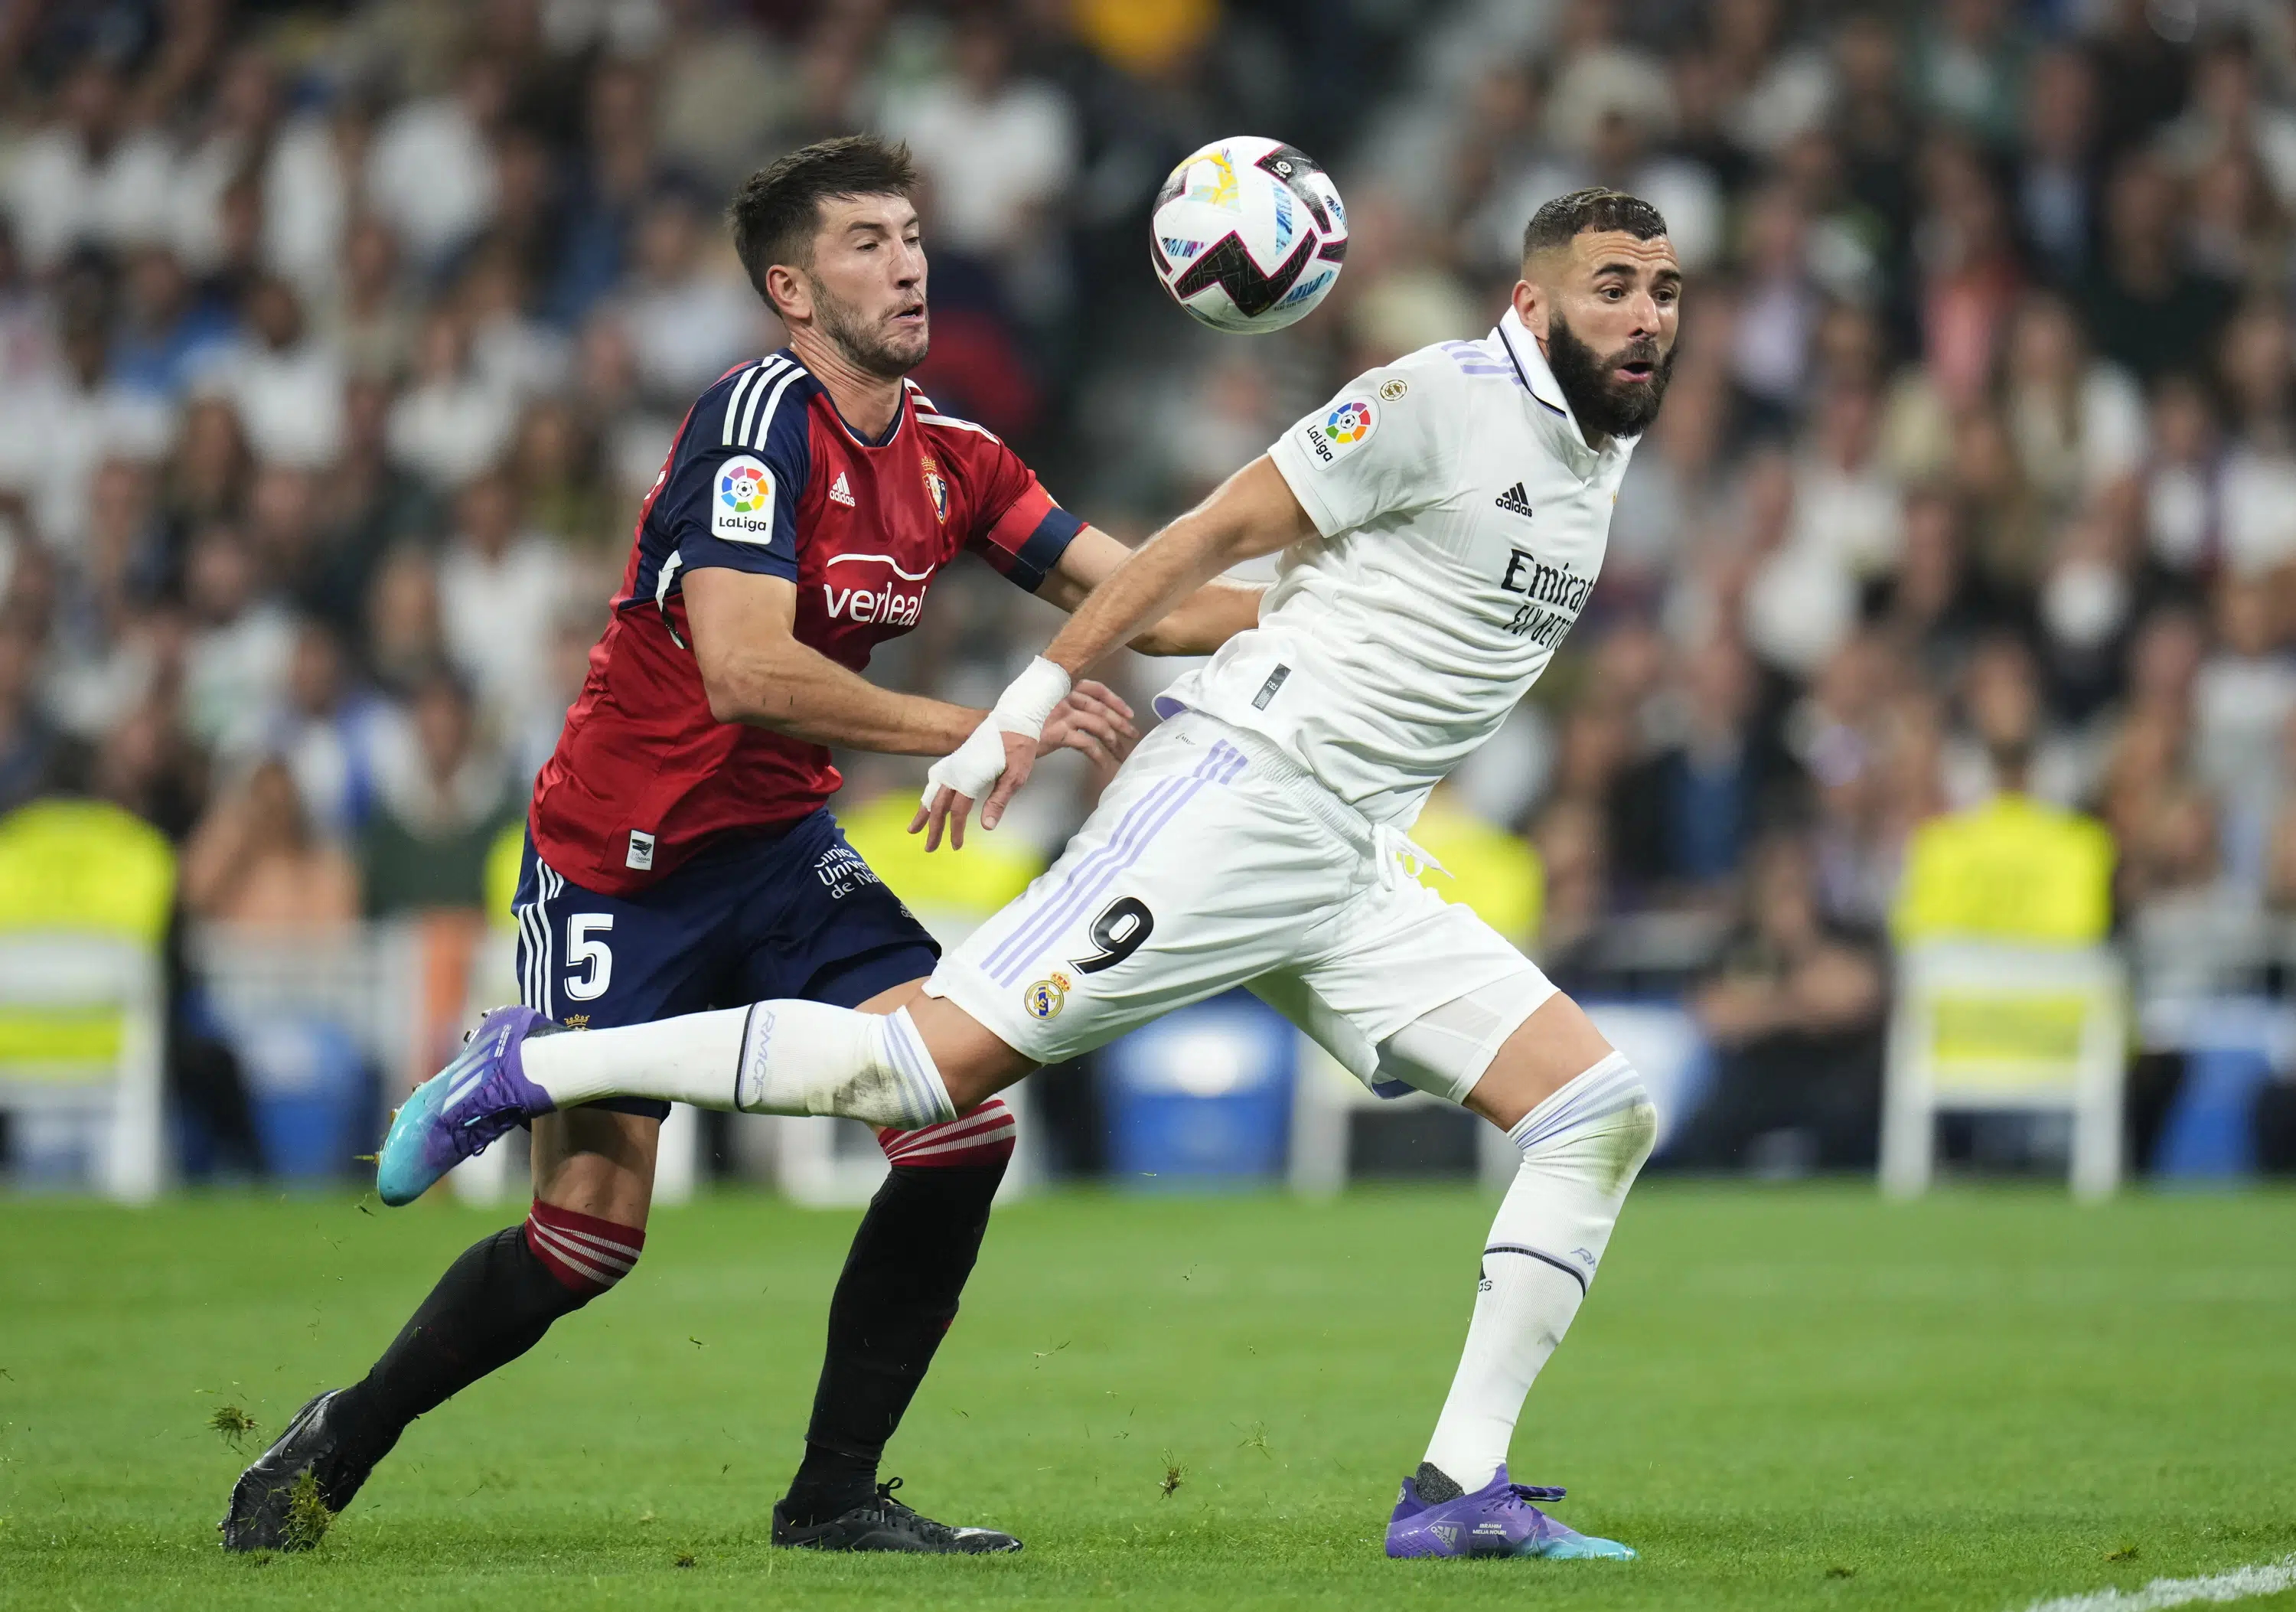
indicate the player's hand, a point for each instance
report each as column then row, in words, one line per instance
column 1003, row 749
column 1092, row 719
column 946, row 810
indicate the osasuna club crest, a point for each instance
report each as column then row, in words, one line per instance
column 935, row 484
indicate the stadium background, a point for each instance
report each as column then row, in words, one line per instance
column 337, row 345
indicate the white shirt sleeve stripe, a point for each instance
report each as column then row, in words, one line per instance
column 778, row 368
column 960, row 424
column 733, row 400
column 767, row 370
column 757, row 439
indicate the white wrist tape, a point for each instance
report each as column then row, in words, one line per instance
column 1028, row 702
column 973, row 767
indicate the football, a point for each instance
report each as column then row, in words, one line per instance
column 1247, row 234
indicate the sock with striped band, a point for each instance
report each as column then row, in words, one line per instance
column 583, row 1252
column 1581, row 1150
column 897, row 1299
column 492, row 1305
column 985, row 1136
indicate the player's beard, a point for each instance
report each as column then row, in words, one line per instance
column 867, row 347
column 1604, row 407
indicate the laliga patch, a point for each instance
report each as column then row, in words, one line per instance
column 742, row 511
column 1347, row 427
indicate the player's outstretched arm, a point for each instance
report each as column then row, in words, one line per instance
column 1199, row 624
column 754, row 670
column 1253, row 513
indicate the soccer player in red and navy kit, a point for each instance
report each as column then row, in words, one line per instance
column 679, row 856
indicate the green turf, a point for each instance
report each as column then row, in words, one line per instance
column 1787, row 1399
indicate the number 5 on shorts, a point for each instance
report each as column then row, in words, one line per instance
column 593, row 957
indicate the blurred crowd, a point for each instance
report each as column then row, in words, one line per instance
column 339, row 343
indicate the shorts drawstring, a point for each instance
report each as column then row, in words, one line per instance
column 1397, row 852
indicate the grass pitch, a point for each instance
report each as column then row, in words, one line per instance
column 1785, row 1399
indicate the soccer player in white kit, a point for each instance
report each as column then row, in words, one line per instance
column 1441, row 525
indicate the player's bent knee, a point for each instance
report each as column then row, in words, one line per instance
column 981, row 1139
column 1600, row 1126
column 588, row 1255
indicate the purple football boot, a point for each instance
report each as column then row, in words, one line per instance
column 458, row 1112
column 1497, row 1519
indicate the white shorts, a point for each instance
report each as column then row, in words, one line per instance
column 1214, row 860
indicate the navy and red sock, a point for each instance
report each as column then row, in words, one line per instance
column 493, row 1304
column 587, row 1255
column 897, row 1299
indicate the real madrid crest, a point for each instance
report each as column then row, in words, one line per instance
column 936, row 484
column 1046, row 997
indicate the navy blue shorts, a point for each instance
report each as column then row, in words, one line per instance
column 792, row 914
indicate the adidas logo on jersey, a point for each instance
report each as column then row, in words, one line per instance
column 841, row 492
column 1516, row 501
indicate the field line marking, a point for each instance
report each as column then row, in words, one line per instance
column 2263, row 1578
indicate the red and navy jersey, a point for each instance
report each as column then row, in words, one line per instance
column 766, row 476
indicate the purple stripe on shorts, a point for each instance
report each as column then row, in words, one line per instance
column 1140, row 826
column 1145, row 817
column 1142, row 810
column 1127, row 830
column 1083, row 892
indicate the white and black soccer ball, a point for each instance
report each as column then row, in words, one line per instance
column 1247, row 234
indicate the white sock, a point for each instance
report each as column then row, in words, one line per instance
column 782, row 1057
column 1581, row 1148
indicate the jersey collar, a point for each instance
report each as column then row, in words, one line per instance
column 1537, row 377
column 892, row 432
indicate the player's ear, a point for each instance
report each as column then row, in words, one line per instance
column 1531, row 303
column 787, row 293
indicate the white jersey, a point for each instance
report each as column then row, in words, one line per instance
column 1462, row 519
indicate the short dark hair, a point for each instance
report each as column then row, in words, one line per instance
column 1564, row 218
column 775, row 212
